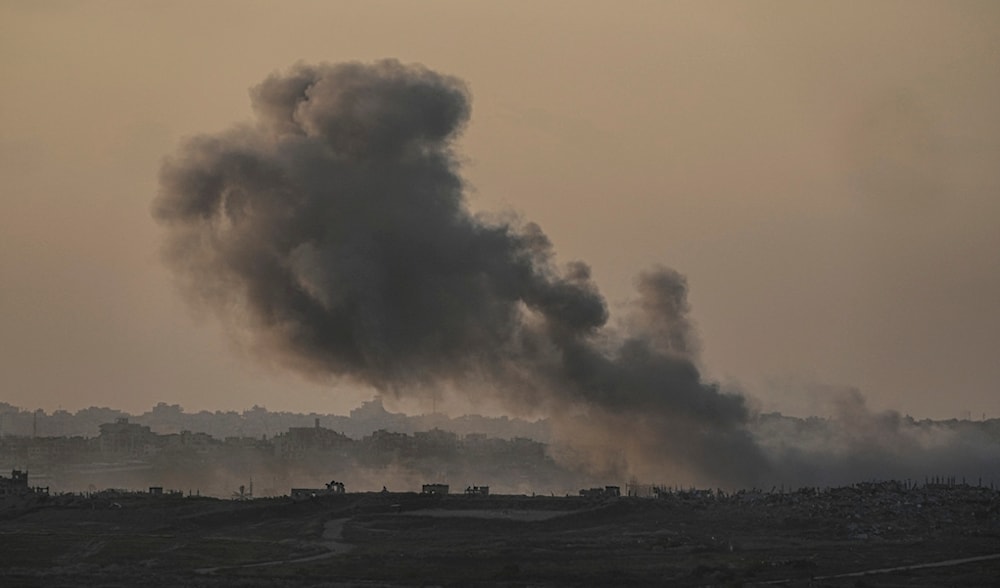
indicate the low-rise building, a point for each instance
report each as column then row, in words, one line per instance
column 332, row 488
column 606, row 492
column 439, row 489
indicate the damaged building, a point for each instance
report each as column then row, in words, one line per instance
column 606, row 492
column 332, row 488
column 17, row 485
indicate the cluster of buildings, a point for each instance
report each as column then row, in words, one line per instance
column 17, row 485
column 334, row 488
column 126, row 454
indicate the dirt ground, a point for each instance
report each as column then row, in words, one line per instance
column 865, row 535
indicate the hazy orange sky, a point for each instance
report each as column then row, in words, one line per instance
column 826, row 175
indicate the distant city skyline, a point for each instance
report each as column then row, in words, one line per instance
column 107, row 446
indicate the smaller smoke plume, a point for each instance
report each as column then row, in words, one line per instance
column 333, row 237
column 859, row 444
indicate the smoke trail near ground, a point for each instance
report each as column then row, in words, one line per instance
column 857, row 443
column 333, row 237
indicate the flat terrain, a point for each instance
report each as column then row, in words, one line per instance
column 839, row 537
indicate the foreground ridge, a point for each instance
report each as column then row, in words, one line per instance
column 907, row 533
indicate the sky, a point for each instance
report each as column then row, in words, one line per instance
column 824, row 174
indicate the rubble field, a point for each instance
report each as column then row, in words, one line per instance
column 870, row 534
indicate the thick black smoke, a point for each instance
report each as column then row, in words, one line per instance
column 335, row 237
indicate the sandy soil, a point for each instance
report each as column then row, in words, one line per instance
column 333, row 534
column 865, row 535
column 504, row 513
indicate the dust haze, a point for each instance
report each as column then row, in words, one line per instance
column 332, row 236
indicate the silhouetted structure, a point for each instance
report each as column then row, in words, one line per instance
column 123, row 437
column 606, row 492
column 439, row 489
column 15, row 485
column 333, row 487
column 300, row 441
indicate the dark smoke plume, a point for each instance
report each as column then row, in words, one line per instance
column 334, row 237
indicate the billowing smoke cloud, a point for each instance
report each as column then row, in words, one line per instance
column 334, row 237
